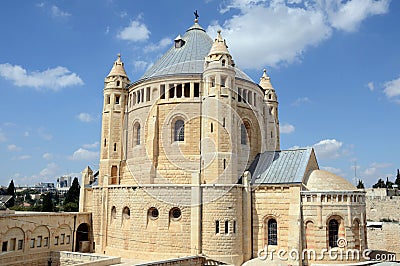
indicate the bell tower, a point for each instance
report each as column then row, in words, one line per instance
column 113, row 123
column 271, row 100
column 219, row 132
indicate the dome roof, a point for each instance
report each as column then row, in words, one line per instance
column 187, row 57
column 320, row 180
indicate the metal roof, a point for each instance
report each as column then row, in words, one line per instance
column 280, row 167
column 187, row 59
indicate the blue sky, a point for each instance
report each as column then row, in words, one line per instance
column 334, row 64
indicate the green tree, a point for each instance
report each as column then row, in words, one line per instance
column 380, row 184
column 397, row 181
column 71, row 201
column 47, row 205
column 360, row 184
column 389, row 184
column 11, row 192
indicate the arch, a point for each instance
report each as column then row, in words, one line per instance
column 113, row 213
column 272, row 231
column 179, row 130
column 310, row 231
column 357, row 234
column 40, row 237
column 126, row 213
column 14, row 239
column 333, row 233
column 82, row 236
column 136, row 133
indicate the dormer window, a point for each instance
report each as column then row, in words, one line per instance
column 179, row 42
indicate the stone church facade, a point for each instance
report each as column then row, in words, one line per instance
column 190, row 163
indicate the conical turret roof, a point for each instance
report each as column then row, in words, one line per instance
column 219, row 46
column 265, row 81
column 118, row 68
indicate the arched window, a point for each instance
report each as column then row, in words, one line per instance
column 223, row 62
column 333, row 233
column 138, row 135
column 126, row 213
column 179, row 130
column 113, row 213
column 272, row 232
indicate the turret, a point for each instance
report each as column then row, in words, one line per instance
column 219, row 131
column 113, row 122
column 271, row 100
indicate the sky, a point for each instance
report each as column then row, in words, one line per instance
column 334, row 64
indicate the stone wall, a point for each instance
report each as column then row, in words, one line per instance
column 386, row 238
column 383, row 208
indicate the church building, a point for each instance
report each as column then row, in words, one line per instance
column 190, row 164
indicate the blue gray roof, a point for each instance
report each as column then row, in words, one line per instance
column 188, row 59
column 280, row 167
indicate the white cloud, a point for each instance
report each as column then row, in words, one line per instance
column 57, row 12
column 334, row 170
column 135, row 32
column 348, row 15
column 53, row 79
column 13, row 147
column 44, row 134
column 328, row 149
column 375, row 170
column 392, row 89
column 163, row 43
column 2, row 136
column 91, row 146
column 261, row 33
column 50, row 170
column 83, row 154
column 371, row 86
column 300, row 101
column 286, row 128
column 26, row 134
column 22, row 157
column 140, row 65
column 47, row 156
column 85, row 117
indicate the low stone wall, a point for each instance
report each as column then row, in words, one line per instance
column 186, row 261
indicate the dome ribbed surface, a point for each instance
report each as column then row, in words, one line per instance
column 188, row 59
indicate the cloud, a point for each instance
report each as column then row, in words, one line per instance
column 55, row 12
column 50, row 170
column 85, row 117
column 83, row 154
column 91, row 146
column 163, row 43
column 300, row 101
column 286, row 128
column 52, row 79
column 328, row 149
column 135, row 32
column 334, row 170
column 2, row 136
column 392, row 89
column 47, row 156
column 275, row 32
column 22, row 157
column 13, row 147
column 377, row 170
column 140, row 65
column 43, row 134
column 371, row 86
column 348, row 15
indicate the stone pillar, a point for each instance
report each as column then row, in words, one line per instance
column 247, row 217
column 195, row 219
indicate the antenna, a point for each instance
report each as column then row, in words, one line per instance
column 355, row 172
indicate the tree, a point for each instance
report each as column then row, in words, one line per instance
column 389, row 184
column 47, row 205
column 360, row 184
column 71, row 201
column 397, row 181
column 11, row 192
column 380, row 184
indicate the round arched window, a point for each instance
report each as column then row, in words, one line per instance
column 126, row 213
column 113, row 212
column 153, row 213
column 175, row 213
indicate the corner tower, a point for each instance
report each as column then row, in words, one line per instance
column 270, row 98
column 219, row 136
column 113, row 123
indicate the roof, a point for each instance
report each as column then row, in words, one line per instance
column 5, row 198
column 188, row 58
column 280, row 167
column 118, row 68
column 320, row 180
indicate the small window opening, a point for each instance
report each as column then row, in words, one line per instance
column 117, row 99
column 171, row 91
column 217, row 227
column 179, row 91
column 226, row 227
column 115, row 146
column 162, row 89
column 196, row 92
column 147, row 94
column 272, row 232
column 105, row 142
column 223, row 62
column 187, row 90
column 239, row 94
column 212, row 127
column 118, row 83
column 234, row 227
column 224, row 163
column 223, row 122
